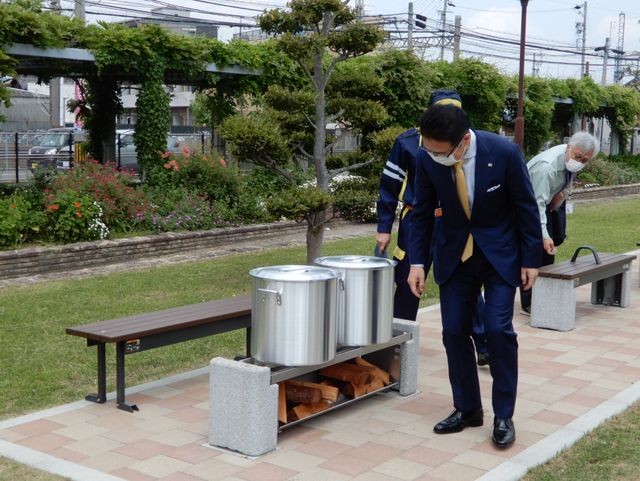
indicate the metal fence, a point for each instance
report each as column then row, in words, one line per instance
column 24, row 153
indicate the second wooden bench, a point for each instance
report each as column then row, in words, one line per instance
column 554, row 299
column 139, row 333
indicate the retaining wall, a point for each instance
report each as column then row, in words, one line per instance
column 42, row 260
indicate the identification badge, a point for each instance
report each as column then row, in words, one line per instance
column 569, row 207
column 438, row 212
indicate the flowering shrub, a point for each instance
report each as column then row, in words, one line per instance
column 179, row 211
column 121, row 203
column 74, row 216
column 18, row 220
column 201, row 174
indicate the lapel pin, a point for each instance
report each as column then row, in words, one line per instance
column 489, row 164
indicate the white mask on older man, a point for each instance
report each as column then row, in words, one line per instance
column 574, row 166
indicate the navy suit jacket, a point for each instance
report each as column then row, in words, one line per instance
column 505, row 222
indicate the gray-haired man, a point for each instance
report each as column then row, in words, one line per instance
column 552, row 173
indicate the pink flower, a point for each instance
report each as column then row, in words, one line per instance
column 223, row 162
column 185, row 151
column 166, row 154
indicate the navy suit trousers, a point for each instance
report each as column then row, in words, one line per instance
column 458, row 302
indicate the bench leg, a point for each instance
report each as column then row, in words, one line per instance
column 101, row 397
column 553, row 304
column 121, row 403
column 614, row 290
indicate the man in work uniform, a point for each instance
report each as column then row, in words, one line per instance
column 552, row 173
column 396, row 185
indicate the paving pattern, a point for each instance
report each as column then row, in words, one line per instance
column 569, row 383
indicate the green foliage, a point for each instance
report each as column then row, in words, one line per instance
column 297, row 203
column 257, row 139
column 601, row 171
column 355, row 199
column 627, row 160
column 481, row 86
column 622, row 108
column 200, row 174
column 179, row 210
column 121, row 203
column 407, row 85
column 73, row 217
column 20, row 220
column 538, row 112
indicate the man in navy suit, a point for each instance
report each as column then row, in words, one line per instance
column 487, row 234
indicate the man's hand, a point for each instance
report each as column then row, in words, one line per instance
column 383, row 239
column 549, row 247
column 528, row 277
column 416, row 280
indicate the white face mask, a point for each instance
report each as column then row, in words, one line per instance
column 446, row 160
column 574, row 166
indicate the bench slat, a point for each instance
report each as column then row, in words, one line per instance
column 584, row 265
column 131, row 327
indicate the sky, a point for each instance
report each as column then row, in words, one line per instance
column 490, row 29
column 549, row 23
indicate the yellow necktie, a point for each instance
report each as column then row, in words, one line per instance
column 461, row 187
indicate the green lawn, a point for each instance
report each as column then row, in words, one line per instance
column 41, row 367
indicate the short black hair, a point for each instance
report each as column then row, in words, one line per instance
column 445, row 123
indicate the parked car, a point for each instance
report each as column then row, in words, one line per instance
column 126, row 155
column 56, row 149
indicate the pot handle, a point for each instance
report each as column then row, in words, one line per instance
column 341, row 283
column 271, row 291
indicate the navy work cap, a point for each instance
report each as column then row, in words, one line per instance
column 445, row 97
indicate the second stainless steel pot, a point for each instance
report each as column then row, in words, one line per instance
column 365, row 308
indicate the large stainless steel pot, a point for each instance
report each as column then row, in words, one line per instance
column 293, row 315
column 365, row 311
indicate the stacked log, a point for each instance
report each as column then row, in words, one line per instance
column 300, row 399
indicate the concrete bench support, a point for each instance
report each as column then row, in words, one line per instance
column 553, row 304
column 554, row 300
column 243, row 402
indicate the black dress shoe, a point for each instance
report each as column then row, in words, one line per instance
column 483, row 358
column 458, row 420
column 504, row 433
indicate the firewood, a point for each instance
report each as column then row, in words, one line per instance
column 302, row 394
column 302, row 411
column 329, row 392
column 347, row 372
column 282, row 403
column 375, row 370
column 352, row 390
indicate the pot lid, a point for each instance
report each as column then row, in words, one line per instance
column 355, row 262
column 294, row 273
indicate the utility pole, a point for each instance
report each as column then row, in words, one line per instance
column 604, row 61
column 581, row 28
column 56, row 96
column 78, row 9
column 444, row 27
column 359, row 8
column 456, row 38
column 518, row 133
column 410, row 29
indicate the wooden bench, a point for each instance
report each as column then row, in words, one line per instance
column 142, row 332
column 554, row 300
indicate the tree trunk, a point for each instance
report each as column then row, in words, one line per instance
column 315, row 235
